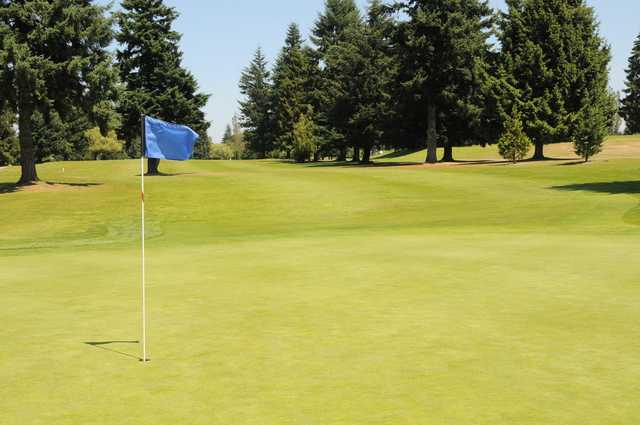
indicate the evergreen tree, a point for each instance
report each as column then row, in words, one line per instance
column 257, row 119
column 558, row 62
column 442, row 47
column 514, row 145
column 304, row 139
column 156, row 84
column 630, row 109
column 228, row 134
column 290, row 83
column 9, row 146
column 592, row 126
column 334, row 34
column 61, row 139
column 372, row 72
column 54, row 58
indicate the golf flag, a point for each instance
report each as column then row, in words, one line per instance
column 164, row 140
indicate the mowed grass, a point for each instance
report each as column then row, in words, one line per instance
column 320, row 294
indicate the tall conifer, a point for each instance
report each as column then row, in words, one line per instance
column 558, row 62
column 630, row 109
column 256, row 110
column 155, row 82
column 54, row 61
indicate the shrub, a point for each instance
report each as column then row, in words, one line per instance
column 104, row 147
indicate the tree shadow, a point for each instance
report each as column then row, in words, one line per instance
column 161, row 174
column 9, row 188
column 612, row 188
column 103, row 345
column 15, row 187
column 399, row 153
column 373, row 164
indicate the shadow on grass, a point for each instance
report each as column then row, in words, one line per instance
column 103, row 345
column 165, row 174
column 613, row 188
column 15, row 187
column 376, row 164
column 398, row 153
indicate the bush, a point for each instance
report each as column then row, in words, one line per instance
column 304, row 140
column 220, row 151
column 514, row 144
column 104, row 147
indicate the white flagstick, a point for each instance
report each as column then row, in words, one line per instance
column 144, row 315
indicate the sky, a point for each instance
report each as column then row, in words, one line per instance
column 220, row 37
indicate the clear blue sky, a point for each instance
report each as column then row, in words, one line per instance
column 220, row 36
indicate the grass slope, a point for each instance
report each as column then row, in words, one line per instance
column 287, row 294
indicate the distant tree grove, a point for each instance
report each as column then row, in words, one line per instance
column 416, row 74
column 65, row 96
column 404, row 74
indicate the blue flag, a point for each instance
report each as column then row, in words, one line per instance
column 165, row 140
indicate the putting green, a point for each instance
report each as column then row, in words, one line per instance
column 319, row 294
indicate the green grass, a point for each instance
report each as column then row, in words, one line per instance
column 287, row 294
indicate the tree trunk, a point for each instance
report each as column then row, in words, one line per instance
column 356, row 154
column 316, row 156
column 539, row 152
column 27, row 149
column 152, row 167
column 366, row 154
column 448, row 153
column 342, row 154
column 432, row 134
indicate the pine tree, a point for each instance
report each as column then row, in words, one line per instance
column 514, row 145
column 558, row 62
column 592, row 126
column 334, row 34
column 442, row 46
column 9, row 146
column 290, row 83
column 41, row 73
column 372, row 72
column 630, row 109
column 256, row 110
column 228, row 134
column 155, row 82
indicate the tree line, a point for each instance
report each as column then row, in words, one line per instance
column 65, row 96
column 407, row 74
column 412, row 74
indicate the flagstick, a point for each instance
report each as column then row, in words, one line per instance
column 144, row 313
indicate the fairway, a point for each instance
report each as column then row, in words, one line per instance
column 320, row 294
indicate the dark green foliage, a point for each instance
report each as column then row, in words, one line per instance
column 591, row 126
column 290, row 94
column 557, row 61
column 336, row 35
column 256, row 110
column 58, row 139
column 630, row 109
column 156, row 84
column 442, row 48
column 228, row 134
column 9, row 145
column 367, row 63
column 54, row 61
